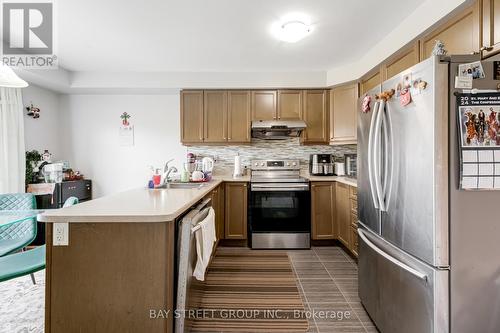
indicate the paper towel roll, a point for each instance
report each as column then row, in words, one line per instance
column 237, row 166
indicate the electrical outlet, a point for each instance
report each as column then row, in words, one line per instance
column 61, row 234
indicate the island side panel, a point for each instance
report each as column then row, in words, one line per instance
column 109, row 277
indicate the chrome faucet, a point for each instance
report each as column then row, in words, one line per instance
column 167, row 171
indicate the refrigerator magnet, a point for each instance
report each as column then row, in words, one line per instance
column 463, row 82
column 398, row 89
column 416, row 87
column 365, row 106
column 405, row 97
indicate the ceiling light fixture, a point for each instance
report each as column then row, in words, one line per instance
column 9, row 79
column 292, row 28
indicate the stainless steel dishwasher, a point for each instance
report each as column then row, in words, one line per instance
column 189, row 290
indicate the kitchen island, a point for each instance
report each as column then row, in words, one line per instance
column 119, row 261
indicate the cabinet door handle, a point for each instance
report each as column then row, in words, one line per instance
column 486, row 48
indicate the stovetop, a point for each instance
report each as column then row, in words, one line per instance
column 276, row 171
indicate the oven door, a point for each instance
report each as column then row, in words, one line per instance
column 279, row 208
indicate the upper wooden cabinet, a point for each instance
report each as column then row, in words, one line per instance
column 343, row 114
column 238, row 123
column 370, row 81
column 315, row 116
column 236, row 210
column 192, row 116
column 323, row 211
column 491, row 27
column 404, row 59
column 264, row 105
column 215, row 116
column 460, row 35
column 290, row 104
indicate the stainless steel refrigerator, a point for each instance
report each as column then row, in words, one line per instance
column 429, row 253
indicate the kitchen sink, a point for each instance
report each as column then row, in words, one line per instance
column 183, row 185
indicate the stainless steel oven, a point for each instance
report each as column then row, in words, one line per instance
column 279, row 208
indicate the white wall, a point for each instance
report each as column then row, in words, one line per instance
column 91, row 124
column 44, row 132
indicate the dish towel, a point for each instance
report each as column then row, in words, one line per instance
column 205, row 239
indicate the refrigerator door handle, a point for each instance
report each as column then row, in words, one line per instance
column 377, row 155
column 395, row 261
column 370, row 154
column 389, row 158
column 385, row 140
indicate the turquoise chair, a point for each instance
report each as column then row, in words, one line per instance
column 22, row 263
column 26, row 262
column 15, row 237
column 70, row 202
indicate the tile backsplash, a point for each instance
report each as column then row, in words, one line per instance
column 267, row 149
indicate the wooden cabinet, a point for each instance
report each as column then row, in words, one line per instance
column 401, row 60
column 238, row 119
column 354, row 245
column 343, row 114
column 264, row 106
column 217, row 196
column 315, row 116
column 236, row 210
column 369, row 82
column 214, row 116
column 323, row 224
column 192, row 116
column 343, row 213
column 353, row 239
column 491, row 27
column 290, row 104
column 460, row 35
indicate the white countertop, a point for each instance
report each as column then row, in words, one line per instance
column 150, row 205
column 340, row 179
column 137, row 205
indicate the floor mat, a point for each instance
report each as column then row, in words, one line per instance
column 250, row 291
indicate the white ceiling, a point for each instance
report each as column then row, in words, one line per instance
column 218, row 35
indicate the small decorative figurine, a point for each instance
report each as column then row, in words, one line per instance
column 33, row 111
column 365, row 107
column 125, row 117
column 439, row 49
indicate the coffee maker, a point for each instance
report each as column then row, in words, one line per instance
column 321, row 164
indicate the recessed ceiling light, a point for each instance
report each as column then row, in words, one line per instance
column 292, row 28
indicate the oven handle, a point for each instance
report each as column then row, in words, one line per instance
column 279, row 188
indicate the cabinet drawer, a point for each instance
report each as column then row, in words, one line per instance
column 354, row 240
column 354, row 206
column 353, row 192
column 354, row 220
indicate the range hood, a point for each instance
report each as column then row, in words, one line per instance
column 277, row 129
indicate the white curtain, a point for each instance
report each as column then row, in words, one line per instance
column 12, row 150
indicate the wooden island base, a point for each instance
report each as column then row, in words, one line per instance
column 109, row 277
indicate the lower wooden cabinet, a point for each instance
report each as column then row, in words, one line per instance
column 353, row 246
column 323, row 224
column 217, row 196
column 353, row 239
column 236, row 196
column 343, row 213
column 334, row 213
